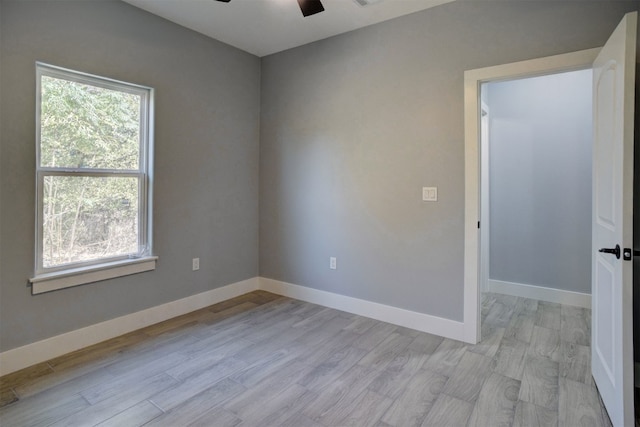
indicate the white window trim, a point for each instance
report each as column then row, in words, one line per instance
column 59, row 277
column 95, row 273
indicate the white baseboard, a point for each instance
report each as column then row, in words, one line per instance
column 540, row 293
column 386, row 313
column 41, row 351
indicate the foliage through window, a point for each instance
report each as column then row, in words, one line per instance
column 93, row 149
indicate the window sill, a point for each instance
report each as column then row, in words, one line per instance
column 83, row 275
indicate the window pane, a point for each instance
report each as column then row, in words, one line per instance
column 85, row 126
column 87, row 218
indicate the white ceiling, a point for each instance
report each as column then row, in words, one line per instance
column 263, row 27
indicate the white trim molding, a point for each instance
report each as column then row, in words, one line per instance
column 541, row 293
column 82, row 275
column 385, row 313
column 41, row 351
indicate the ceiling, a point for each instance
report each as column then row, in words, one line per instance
column 263, row 27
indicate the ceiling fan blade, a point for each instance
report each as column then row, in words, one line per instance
column 310, row 7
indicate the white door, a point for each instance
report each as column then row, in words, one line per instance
column 612, row 281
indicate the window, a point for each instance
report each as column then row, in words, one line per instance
column 93, row 178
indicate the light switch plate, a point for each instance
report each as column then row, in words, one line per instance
column 430, row 194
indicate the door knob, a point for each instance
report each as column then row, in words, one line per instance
column 615, row 251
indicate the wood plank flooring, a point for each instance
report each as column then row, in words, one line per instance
column 265, row 360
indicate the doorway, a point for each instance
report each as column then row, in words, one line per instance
column 535, row 203
column 612, row 208
column 473, row 80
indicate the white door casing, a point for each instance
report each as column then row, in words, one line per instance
column 612, row 276
column 473, row 80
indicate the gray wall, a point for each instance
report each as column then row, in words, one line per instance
column 350, row 129
column 353, row 126
column 206, row 165
column 540, row 180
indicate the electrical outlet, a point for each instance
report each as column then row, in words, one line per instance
column 195, row 264
column 333, row 263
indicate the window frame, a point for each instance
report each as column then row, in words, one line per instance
column 75, row 273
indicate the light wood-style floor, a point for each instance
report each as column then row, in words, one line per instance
column 265, row 360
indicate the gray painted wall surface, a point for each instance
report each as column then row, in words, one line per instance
column 353, row 126
column 206, row 164
column 540, row 181
column 342, row 159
